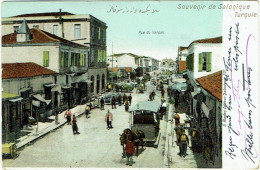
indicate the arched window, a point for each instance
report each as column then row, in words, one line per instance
column 103, row 81
column 92, row 84
column 98, row 83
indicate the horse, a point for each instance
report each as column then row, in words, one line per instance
column 136, row 138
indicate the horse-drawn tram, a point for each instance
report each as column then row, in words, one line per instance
column 145, row 117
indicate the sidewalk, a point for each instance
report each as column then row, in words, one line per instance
column 45, row 128
column 179, row 162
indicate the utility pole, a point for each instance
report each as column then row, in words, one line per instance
column 112, row 61
column 62, row 26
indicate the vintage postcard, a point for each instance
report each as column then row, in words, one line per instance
column 130, row 84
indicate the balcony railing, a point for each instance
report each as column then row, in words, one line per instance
column 97, row 65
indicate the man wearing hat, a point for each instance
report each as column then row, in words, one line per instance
column 183, row 143
column 109, row 119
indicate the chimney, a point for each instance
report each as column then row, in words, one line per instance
column 23, row 34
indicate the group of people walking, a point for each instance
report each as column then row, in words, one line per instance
column 183, row 139
column 127, row 100
column 72, row 122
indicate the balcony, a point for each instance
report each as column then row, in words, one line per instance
column 73, row 69
column 97, row 65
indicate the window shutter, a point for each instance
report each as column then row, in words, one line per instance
column 85, row 59
column 62, row 59
column 46, row 58
column 209, row 61
column 72, row 59
column 200, row 61
column 81, row 59
column 99, row 33
column 66, row 64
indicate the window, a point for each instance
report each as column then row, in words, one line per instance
column 85, row 59
column 190, row 62
column 205, row 61
column 99, row 33
column 64, row 59
column 77, row 31
column 16, row 28
column 72, row 60
column 92, row 32
column 35, row 26
column 104, row 35
column 45, row 58
column 55, row 30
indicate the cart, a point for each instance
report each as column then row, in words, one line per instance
column 9, row 149
column 144, row 116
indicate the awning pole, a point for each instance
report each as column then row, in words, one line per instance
column 37, row 119
column 6, row 131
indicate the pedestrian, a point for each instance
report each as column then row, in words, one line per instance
column 109, row 119
column 90, row 106
column 153, row 94
column 109, row 87
column 124, row 98
column 151, row 97
column 183, row 142
column 87, row 110
column 130, row 99
column 74, row 125
column 119, row 99
column 129, row 150
column 126, row 105
column 176, row 99
column 113, row 102
column 169, row 91
column 164, row 106
column 162, row 92
column 68, row 116
column 102, row 102
column 195, row 137
column 177, row 119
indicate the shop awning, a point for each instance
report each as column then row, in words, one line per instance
column 8, row 95
column 16, row 100
column 72, row 74
column 40, row 98
column 205, row 109
column 50, row 85
column 66, row 87
column 36, row 103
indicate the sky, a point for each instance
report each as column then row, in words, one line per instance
column 177, row 27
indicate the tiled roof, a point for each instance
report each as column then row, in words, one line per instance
column 128, row 69
column 208, row 40
column 182, row 66
column 121, row 54
column 213, row 84
column 38, row 36
column 44, row 14
column 167, row 60
column 183, row 48
column 113, row 69
column 22, row 70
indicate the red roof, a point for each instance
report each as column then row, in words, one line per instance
column 22, row 70
column 182, row 66
column 183, row 48
column 128, row 69
column 44, row 14
column 38, row 36
column 208, row 40
column 113, row 69
column 213, row 84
